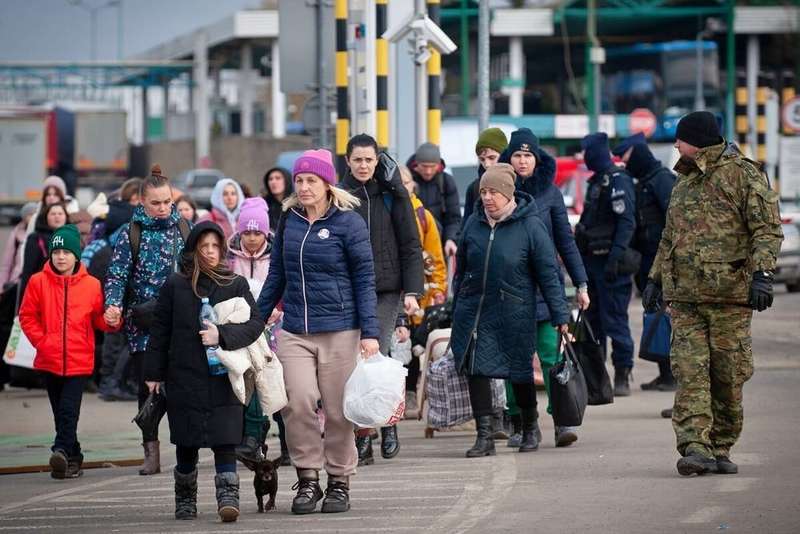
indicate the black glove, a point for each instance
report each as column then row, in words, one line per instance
column 651, row 297
column 612, row 269
column 761, row 291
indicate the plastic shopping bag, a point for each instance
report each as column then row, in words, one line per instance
column 374, row 395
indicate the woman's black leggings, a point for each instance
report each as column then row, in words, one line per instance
column 480, row 395
column 224, row 455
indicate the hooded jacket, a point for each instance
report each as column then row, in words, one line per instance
column 432, row 256
column 253, row 267
column 722, row 225
column 59, row 315
column 160, row 247
column 439, row 196
column 203, row 410
column 553, row 212
column 498, row 271
column 396, row 250
column 273, row 204
column 221, row 215
column 11, row 266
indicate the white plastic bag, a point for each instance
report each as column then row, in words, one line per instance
column 401, row 351
column 374, row 395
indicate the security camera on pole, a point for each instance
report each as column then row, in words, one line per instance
column 422, row 33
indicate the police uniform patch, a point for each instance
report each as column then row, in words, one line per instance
column 618, row 206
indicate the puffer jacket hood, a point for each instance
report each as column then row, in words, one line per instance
column 59, row 315
column 219, row 205
column 287, row 180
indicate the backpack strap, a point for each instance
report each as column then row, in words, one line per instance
column 183, row 227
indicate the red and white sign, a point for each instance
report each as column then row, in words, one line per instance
column 642, row 120
column 790, row 114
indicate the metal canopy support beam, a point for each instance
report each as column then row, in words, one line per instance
column 278, row 98
column 516, row 67
column 483, row 66
column 246, row 89
column 202, row 140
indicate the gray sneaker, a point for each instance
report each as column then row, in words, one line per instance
column 515, row 440
column 566, row 435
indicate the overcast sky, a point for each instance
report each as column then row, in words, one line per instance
column 57, row 30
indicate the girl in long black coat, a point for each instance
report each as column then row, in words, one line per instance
column 203, row 410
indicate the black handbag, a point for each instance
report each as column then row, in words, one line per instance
column 149, row 416
column 591, row 356
column 568, row 394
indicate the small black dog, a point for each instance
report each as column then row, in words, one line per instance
column 265, row 480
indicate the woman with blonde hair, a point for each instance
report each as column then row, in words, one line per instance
column 321, row 266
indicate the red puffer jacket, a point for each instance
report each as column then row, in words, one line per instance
column 59, row 315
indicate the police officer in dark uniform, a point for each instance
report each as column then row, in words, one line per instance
column 603, row 235
column 653, row 186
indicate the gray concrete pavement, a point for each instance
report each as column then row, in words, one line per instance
column 619, row 478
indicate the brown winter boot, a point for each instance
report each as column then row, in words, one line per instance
column 152, row 458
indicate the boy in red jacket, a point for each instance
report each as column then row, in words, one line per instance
column 61, row 308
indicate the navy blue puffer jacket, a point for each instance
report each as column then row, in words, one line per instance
column 553, row 212
column 494, row 311
column 323, row 271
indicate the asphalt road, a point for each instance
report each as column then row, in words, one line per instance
column 618, row 478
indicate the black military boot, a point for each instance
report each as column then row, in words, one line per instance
column 484, row 443
column 185, row 494
column 227, row 496
column 696, row 464
column 337, row 495
column 364, row 447
column 622, row 377
column 725, row 466
column 390, row 444
column 308, row 492
column 531, row 433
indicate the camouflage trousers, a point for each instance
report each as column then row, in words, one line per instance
column 712, row 358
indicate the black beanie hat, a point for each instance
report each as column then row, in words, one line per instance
column 523, row 140
column 699, row 129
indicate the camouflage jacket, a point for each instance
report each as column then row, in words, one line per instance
column 722, row 224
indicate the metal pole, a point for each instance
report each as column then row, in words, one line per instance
column 592, row 68
column 483, row 65
column 322, row 90
column 730, row 67
column 434, row 69
column 516, row 69
column 120, row 29
column 421, row 85
column 753, row 66
column 699, row 97
column 464, row 57
column 93, row 32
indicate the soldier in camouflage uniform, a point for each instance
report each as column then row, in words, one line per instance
column 715, row 263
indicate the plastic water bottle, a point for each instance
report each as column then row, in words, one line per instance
column 207, row 313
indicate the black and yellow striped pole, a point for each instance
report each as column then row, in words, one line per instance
column 434, row 76
column 342, row 103
column 788, row 92
column 742, row 123
column 762, row 94
column 381, row 75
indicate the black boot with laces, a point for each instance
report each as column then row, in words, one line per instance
column 337, row 495
column 308, row 492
